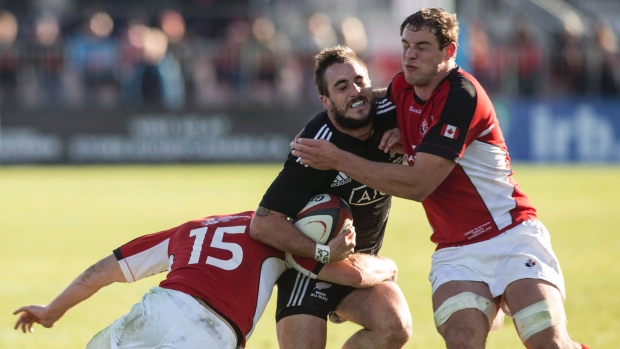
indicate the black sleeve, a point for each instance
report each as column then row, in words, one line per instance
column 297, row 183
column 293, row 187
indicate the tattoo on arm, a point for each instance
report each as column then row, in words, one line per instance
column 263, row 212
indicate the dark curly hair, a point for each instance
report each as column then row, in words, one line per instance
column 329, row 56
column 441, row 23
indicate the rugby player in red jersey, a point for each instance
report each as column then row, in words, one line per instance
column 218, row 284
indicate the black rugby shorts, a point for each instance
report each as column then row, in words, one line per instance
column 299, row 294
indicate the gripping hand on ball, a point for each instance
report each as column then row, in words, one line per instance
column 342, row 245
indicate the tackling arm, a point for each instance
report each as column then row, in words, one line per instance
column 97, row 276
column 410, row 182
column 359, row 270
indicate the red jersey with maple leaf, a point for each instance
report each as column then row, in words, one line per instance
column 480, row 199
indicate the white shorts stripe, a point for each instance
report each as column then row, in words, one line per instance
column 303, row 292
column 299, row 289
column 294, row 293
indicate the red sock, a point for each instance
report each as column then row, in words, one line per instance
column 583, row 346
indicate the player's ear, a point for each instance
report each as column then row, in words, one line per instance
column 450, row 51
column 325, row 101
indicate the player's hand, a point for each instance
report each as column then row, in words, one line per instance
column 316, row 153
column 296, row 138
column 391, row 142
column 29, row 315
column 342, row 245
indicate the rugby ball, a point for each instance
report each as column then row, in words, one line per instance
column 324, row 217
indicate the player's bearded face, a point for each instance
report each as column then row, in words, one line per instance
column 349, row 118
column 350, row 100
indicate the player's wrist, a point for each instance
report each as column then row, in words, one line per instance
column 322, row 253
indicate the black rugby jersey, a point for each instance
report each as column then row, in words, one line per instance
column 297, row 183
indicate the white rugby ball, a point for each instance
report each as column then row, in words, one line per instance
column 324, row 217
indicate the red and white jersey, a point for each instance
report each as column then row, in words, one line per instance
column 213, row 258
column 480, row 199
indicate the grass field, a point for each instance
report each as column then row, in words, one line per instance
column 56, row 221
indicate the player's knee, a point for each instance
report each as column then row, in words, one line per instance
column 396, row 335
column 401, row 331
column 396, row 329
column 539, row 317
column 399, row 338
column 465, row 300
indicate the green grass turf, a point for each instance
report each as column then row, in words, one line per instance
column 56, row 221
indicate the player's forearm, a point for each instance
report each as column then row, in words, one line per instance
column 275, row 230
column 394, row 179
column 97, row 276
column 359, row 270
column 373, row 269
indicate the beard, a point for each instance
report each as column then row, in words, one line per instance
column 349, row 123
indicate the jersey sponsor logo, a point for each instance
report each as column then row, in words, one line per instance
column 341, row 179
column 450, row 131
column 364, row 195
column 414, row 110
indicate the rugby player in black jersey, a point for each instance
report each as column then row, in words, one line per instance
column 355, row 122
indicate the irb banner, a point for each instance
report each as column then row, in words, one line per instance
column 561, row 131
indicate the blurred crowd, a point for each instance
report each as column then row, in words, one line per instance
column 574, row 61
column 178, row 60
column 133, row 62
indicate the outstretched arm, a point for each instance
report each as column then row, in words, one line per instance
column 359, row 270
column 97, row 276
